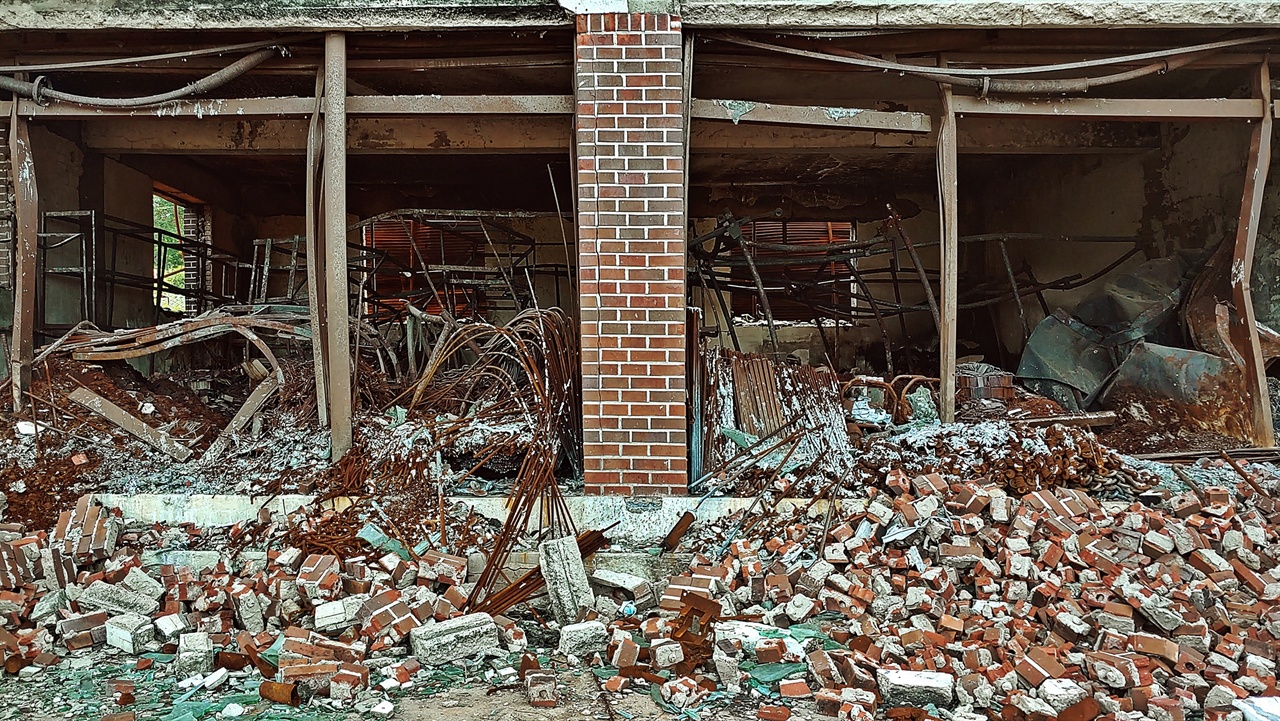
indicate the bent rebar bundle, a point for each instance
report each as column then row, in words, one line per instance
column 526, row 369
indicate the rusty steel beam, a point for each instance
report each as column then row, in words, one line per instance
column 300, row 107
column 948, row 188
column 739, row 111
column 1144, row 109
column 288, row 136
column 317, row 307
column 1244, row 332
column 26, row 222
column 335, row 243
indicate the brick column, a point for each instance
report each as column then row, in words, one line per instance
column 631, row 252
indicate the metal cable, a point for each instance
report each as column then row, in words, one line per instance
column 181, row 55
column 986, row 83
column 879, row 64
column 40, row 91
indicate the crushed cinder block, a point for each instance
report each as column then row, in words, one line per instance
column 102, row 596
column 457, row 638
column 540, row 687
column 334, row 616
column 172, row 625
column 583, row 639
column 130, row 632
column 1061, row 693
column 139, row 582
column 195, row 654
column 568, row 589
column 633, row 588
column 915, row 688
column 683, row 692
column 665, row 653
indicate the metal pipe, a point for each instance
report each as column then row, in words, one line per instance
column 748, row 253
column 896, row 221
column 991, row 80
column 1017, row 297
column 39, row 90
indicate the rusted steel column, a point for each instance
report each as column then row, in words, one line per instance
column 315, row 257
column 335, row 241
column 25, row 226
column 950, row 237
column 1245, row 331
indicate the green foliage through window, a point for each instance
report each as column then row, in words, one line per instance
column 168, row 215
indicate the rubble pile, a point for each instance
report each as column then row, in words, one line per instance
column 281, row 626
column 93, row 424
column 1020, row 458
column 964, row 601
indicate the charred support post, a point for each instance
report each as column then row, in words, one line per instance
column 335, row 242
column 1244, row 333
column 26, row 214
column 950, row 236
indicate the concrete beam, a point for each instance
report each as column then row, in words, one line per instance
column 927, row 14
column 285, row 15
column 432, row 134
column 641, row 521
column 397, row 15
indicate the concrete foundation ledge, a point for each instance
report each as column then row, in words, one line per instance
column 641, row 521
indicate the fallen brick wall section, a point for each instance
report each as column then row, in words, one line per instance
column 631, row 235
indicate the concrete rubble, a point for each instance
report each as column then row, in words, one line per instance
column 962, row 600
column 931, row 596
column 252, row 628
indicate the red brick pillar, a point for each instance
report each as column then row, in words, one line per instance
column 631, row 252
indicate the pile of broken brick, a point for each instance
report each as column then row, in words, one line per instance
column 311, row 626
column 962, row 602
column 926, row 598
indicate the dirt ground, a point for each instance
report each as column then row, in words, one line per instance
column 579, row 701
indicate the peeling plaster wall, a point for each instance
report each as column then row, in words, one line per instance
column 59, row 165
column 1184, row 196
column 1201, row 176
column 127, row 195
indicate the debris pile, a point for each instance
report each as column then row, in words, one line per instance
column 1019, row 457
column 285, row 626
column 964, row 601
column 494, row 403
